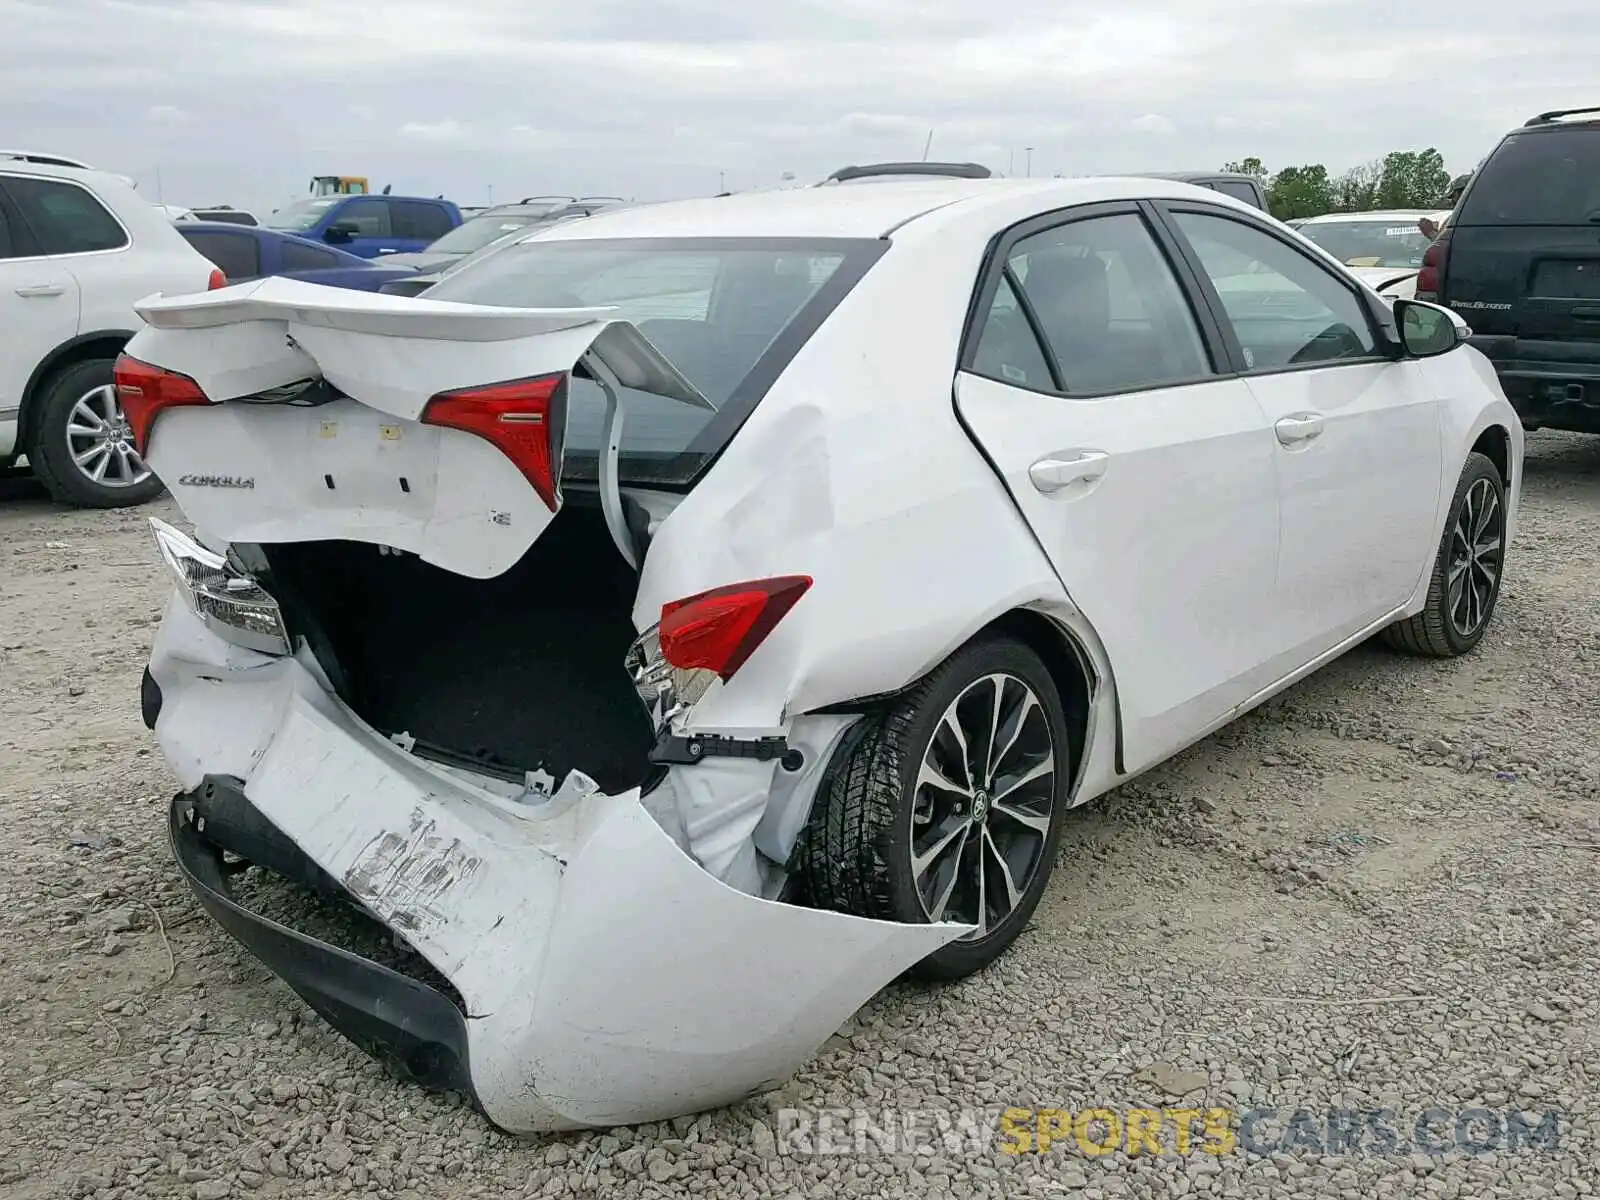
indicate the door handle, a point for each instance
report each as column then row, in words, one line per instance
column 1080, row 466
column 42, row 289
column 1298, row 428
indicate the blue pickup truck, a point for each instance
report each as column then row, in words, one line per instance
column 368, row 226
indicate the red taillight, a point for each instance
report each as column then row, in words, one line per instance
column 218, row 280
column 144, row 391
column 525, row 419
column 720, row 629
column 1430, row 278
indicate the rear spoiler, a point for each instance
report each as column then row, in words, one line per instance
column 618, row 345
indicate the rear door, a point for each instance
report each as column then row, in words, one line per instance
column 1091, row 383
column 1525, row 240
column 1358, row 443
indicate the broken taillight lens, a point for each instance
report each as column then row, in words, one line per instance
column 719, row 630
column 524, row 418
column 706, row 637
column 145, row 391
column 230, row 603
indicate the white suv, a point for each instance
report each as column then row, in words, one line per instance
column 78, row 248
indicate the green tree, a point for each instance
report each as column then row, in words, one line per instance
column 1248, row 166
column 1412, row 179
column 1301, row 192
column 1357, row 189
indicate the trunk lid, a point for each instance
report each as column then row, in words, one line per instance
column 318, row 424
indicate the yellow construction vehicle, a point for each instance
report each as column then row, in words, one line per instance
column 339, row 185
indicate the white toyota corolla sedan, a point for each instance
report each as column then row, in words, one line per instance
column 679, row 625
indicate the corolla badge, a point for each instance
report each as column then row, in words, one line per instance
column 216, row 481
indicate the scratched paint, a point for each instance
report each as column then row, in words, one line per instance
column 413, row 871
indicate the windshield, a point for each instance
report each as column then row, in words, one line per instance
column 477, row 233
column 1395, row 242
column 728, row 313
column 302, row 214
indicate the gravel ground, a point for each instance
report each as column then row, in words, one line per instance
column 1374, row 894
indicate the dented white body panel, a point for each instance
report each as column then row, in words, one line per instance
column 608, row 977
column 619, row 955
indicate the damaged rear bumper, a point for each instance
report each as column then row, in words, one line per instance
column 416, row 1030
column 601, row 975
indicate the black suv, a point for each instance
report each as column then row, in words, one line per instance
column 1519, row 259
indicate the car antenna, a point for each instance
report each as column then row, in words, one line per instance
column 386, row 188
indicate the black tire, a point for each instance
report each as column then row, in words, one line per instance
column 1439, row 630
column 855, row 854
column 50, row 455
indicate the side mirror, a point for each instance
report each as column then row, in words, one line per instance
column 340, row 232
column 1427, row 330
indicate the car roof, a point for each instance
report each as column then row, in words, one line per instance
column 1382, row 214
column 231, row 227
column 852, row 212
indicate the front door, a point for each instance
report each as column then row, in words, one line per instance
column 1148, row 478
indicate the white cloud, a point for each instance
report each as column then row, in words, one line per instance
column 434, row 131
column 166, row 114
column 1153, row 123
column 657, row 98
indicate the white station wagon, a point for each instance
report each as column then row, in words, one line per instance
column 680, row 624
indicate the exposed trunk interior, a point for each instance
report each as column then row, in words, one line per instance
column 516, row 673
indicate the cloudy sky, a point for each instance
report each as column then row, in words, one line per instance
column 241, row 101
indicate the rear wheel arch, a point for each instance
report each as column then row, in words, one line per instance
column 1063, row 653
column 107, row 343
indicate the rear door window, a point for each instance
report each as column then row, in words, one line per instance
column 301, row 256
column 64, row 217
column 418, row 220
column 236, row 254
column 1238, row 190
column 1542, row 178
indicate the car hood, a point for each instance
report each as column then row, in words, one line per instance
column 1379, row 278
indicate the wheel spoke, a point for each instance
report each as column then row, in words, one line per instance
column 990, row 761
column 93, row 459
column 1487, row 509
column 78, row 427
column 982, row 920
column 1040, row 770
column 951, row 723
column 1013, row 894
column 941, row 855
column 932, row 776
column 1025, row 711
column 1039, row 823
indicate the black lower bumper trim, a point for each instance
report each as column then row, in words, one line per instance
column 415, row 1030
column 149, row 699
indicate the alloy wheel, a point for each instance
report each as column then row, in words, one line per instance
column 1476, row 545
column 984, row 797
column 100, row 441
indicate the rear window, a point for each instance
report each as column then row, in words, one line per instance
column 1545, row 178
column 728, row 313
